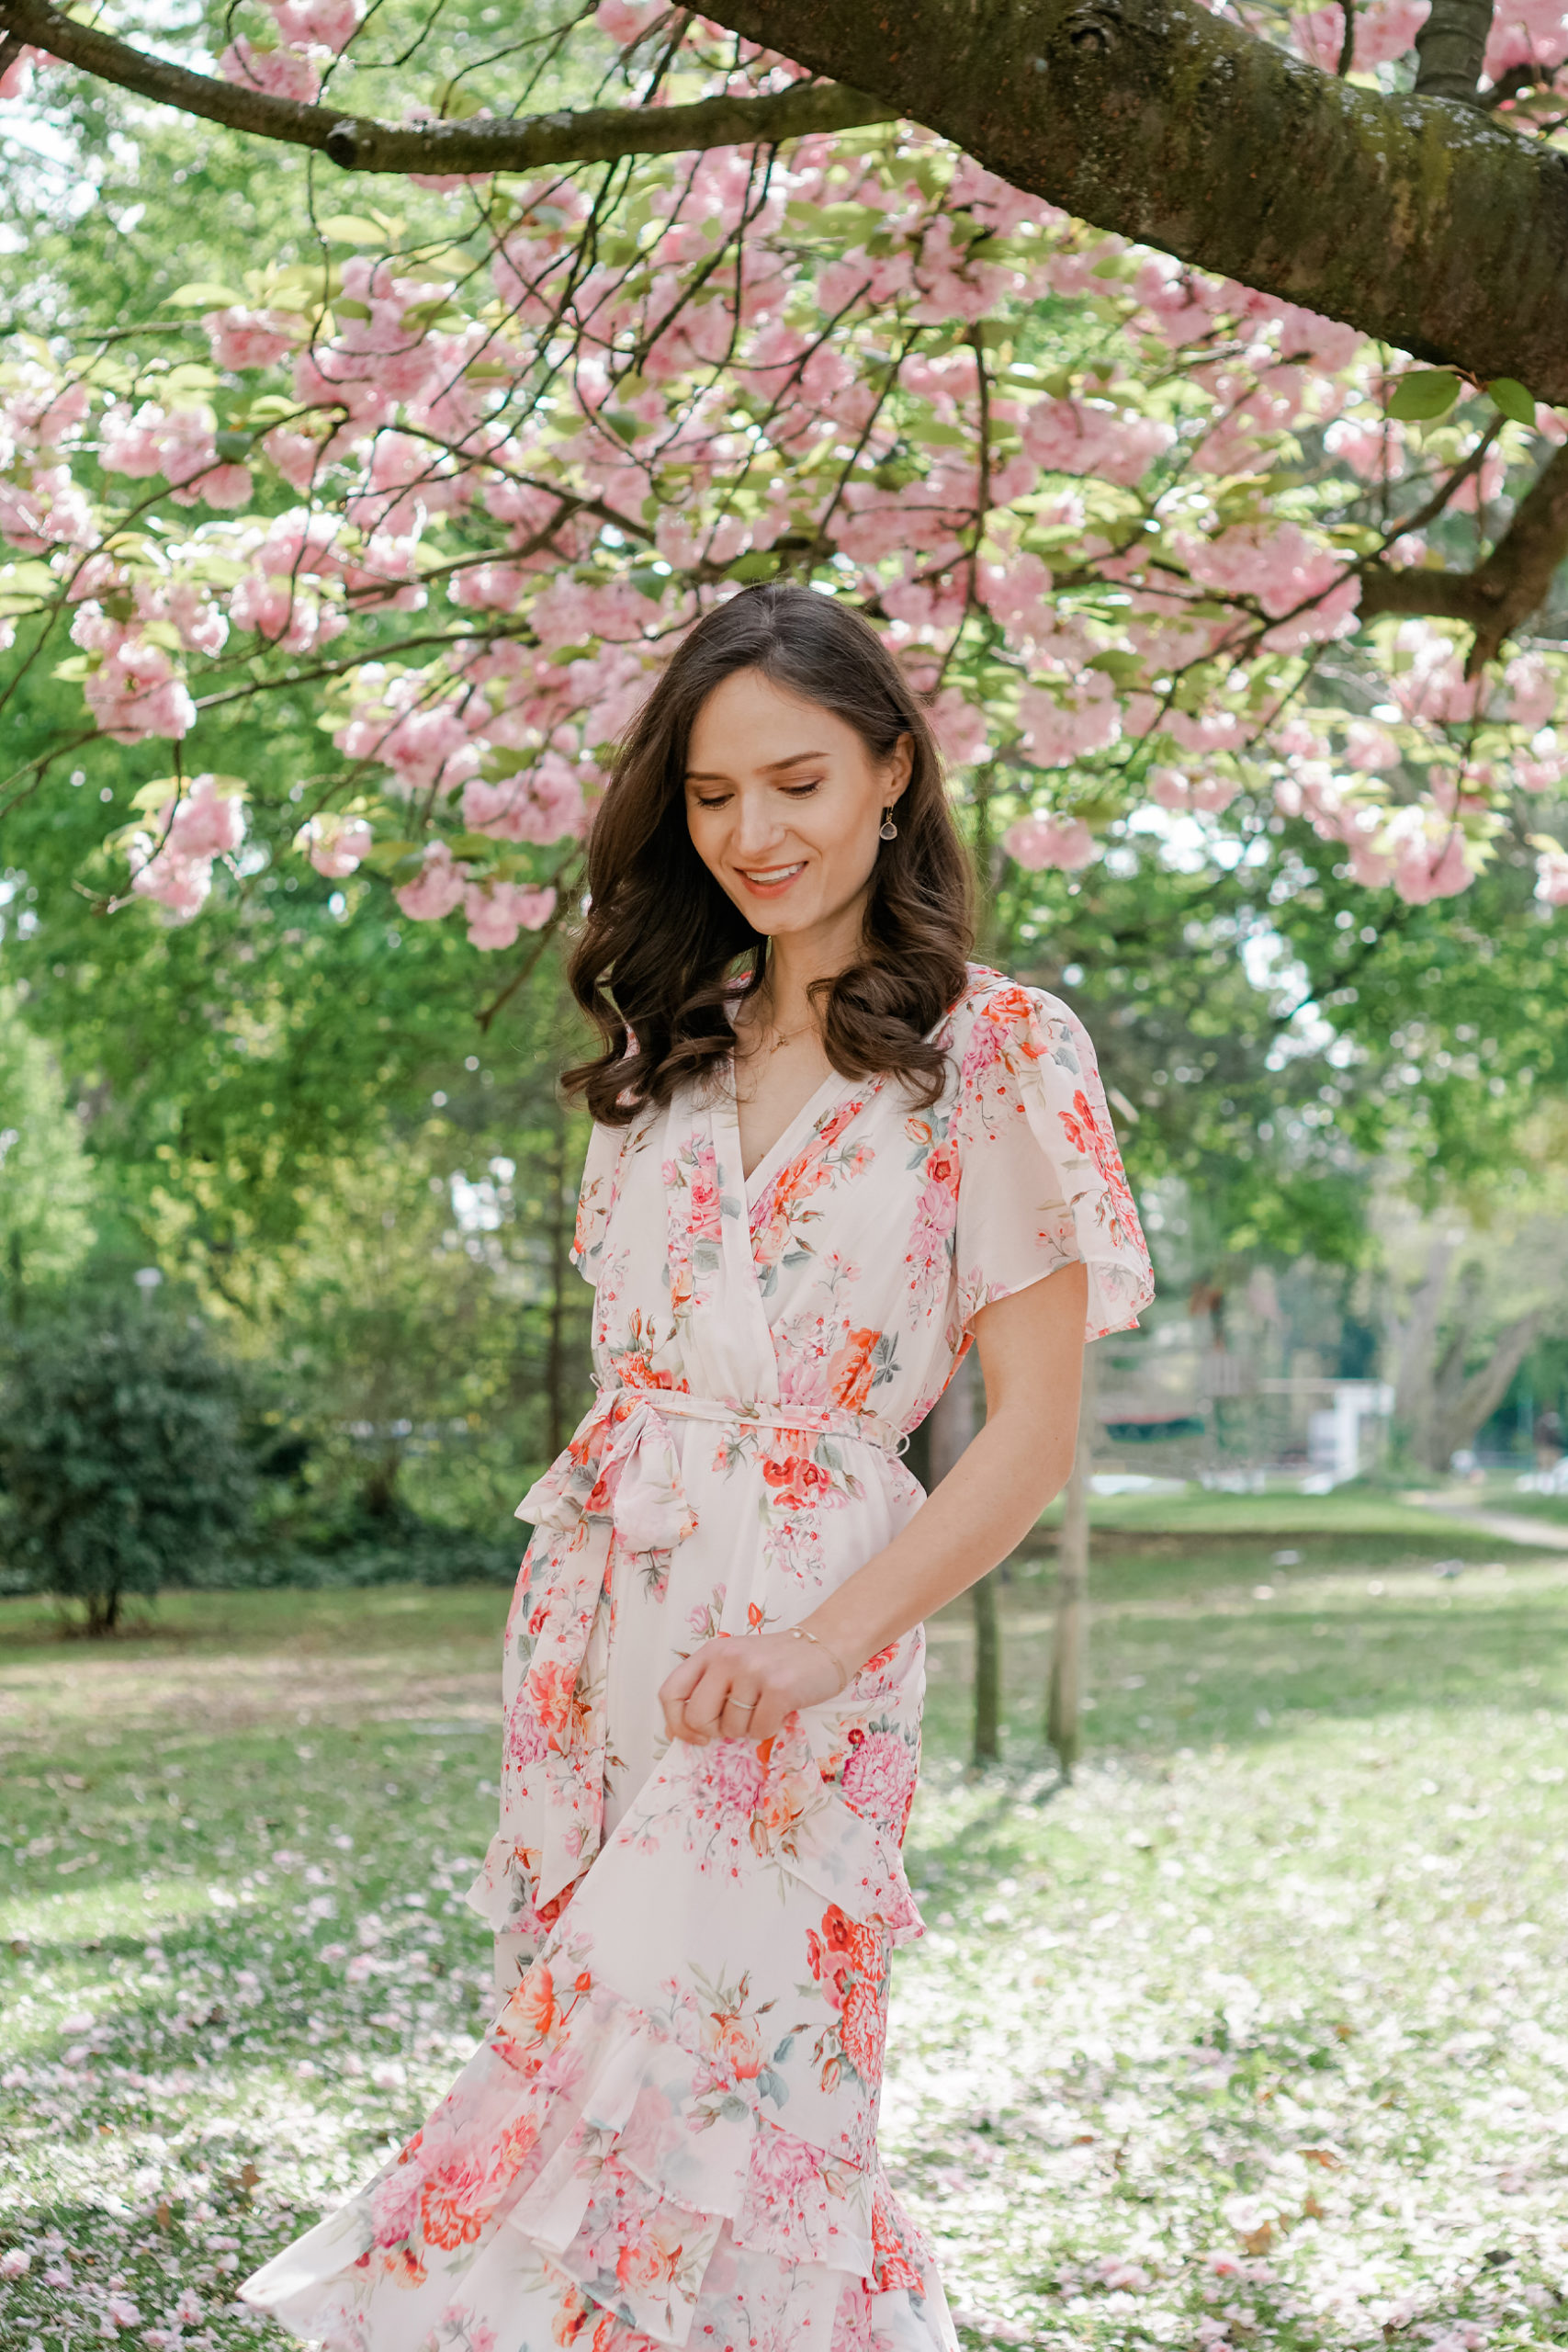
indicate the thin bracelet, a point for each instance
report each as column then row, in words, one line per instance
column 801, row 1634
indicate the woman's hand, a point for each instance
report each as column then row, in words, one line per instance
column 743, row 1688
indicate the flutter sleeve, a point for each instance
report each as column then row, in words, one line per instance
column 1040, row 1180
column 601, row 1175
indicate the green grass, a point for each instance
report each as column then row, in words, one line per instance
column 1348, row 1514
column 1256, row 2035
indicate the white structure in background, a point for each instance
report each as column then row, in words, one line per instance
column 1340, row 1444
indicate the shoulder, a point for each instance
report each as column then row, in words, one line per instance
column 1001, row 1020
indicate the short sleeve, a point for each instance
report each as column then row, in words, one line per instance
column 1040, row 1183
column 596, row 1197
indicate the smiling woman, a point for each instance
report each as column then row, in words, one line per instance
column 827, row 1155
column 780, row 733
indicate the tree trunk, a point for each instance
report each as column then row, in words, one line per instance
column 379, row 1495
column 1414, row 1338
column 952, row 1426
column 1069, row 1642
column 1461, row 1404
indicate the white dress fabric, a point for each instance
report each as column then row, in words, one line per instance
column 667, row 2137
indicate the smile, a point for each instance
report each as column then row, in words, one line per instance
column 772, row 877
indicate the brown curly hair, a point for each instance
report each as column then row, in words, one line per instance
column 662, row 947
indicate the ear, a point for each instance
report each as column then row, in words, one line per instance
column 900, row 767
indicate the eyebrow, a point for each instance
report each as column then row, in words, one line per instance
column 774, row 767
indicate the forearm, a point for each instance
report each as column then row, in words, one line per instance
column 982, row 1511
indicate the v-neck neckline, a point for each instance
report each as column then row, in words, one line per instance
column 777, row 1154
column 787, row 1140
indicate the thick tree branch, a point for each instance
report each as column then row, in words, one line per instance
column 1449, row 48
column 594, row 136
column 1438, row 229
column 1431, row 225
column 1500, row 595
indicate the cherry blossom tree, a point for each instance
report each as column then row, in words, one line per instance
column 1166, row 554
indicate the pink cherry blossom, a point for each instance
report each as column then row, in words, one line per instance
column 241, row 338
column 17, row 80
column 959, row 727
column 1039, row 841
column 1525, row 32
column 1056, row 731
column 1369, row 747
column 1550, row 873
column 497, row 912
column 1089, row 437
column 1532, row 691
column 315, row 24
column 335, row 846
column 439, row 887
column 281, row 72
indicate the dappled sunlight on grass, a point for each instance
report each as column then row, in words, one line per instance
column 1255, row 2036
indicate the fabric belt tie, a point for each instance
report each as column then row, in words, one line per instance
column 621, row 1463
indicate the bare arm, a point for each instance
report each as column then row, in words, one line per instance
column 1031, row 1356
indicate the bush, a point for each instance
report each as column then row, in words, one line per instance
column 121, row 1458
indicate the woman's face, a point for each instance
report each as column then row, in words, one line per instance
column 784, row 802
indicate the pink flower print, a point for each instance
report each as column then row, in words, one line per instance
column 783, row 2168
column 939, row 1208
column 454, row 2204
column 703, row 1209
column 394, row 2204
column 727, row 1783
column 526, row 1740
column 879, row 1775
column 735, row 2046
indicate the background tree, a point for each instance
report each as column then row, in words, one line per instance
column 121, row 1463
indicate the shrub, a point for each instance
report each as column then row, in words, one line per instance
column 120, row 1457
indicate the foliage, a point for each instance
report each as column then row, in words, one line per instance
column 1114, row 516
column 45, row 1177
column 120, row 1456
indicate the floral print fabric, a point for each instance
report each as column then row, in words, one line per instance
column 667, row 2137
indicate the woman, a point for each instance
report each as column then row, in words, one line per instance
column 808, row 1187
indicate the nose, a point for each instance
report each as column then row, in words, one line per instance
column 758, row 829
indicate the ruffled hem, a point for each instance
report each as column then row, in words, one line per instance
column 590, row 2181
column 798, row 1821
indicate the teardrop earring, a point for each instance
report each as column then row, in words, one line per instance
column 888, row 830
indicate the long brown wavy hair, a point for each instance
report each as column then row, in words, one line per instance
column 662, row 947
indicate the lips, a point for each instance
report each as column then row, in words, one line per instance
column 769, row 879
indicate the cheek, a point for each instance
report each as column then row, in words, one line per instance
column 708, row 835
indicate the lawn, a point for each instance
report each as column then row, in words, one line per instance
column 1256, row 2035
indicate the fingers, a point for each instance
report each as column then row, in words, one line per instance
column 709, row 1696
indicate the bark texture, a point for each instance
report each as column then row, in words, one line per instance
column 1421, row 220
column 1069, row 1634
column 595, row 135
column 1499, row 594
column 1449, row 48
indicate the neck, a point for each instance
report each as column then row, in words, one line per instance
column 797, row 959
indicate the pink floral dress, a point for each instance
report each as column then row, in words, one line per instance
column 667, row 2137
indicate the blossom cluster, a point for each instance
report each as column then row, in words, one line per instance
column 1112, row 515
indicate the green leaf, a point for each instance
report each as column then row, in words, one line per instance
column 348, row 229
column 1506, row 392
column 385, row 857
column 1430, row 392
column 201, row 296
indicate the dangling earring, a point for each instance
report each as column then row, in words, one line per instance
column 889, row 830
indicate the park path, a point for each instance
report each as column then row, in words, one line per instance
column 1510, row 1527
